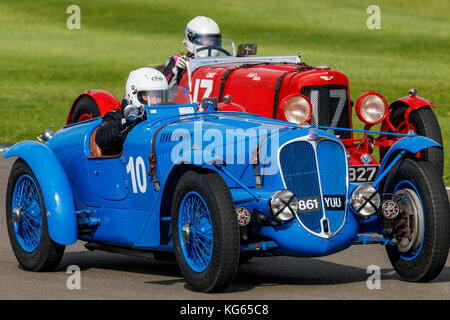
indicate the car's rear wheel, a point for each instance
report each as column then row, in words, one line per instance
column 86, row 108
column 205, row 231
column 27, row 222
column 422, row 228
column 423, row 122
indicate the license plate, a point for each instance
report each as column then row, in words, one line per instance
column 363, row 173
column 334, row 202
column 308, row 204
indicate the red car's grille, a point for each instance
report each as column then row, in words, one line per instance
column 330, row 107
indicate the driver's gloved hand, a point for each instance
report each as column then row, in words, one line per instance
column 179, row 65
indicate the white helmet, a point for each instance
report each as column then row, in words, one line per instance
column 146, row 86
column 201, row 31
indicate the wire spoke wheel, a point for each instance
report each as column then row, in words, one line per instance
column 27, row 222
column 205, row 231
column 27, row 213
column 195, row 229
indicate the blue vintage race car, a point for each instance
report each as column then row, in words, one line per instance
column 217, row 188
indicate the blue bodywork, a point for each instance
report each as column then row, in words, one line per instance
column 56, row 189
column 121, row 202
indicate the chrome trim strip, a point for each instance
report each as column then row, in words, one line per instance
column 314, row 143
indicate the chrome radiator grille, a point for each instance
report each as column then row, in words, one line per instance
column 306, row 177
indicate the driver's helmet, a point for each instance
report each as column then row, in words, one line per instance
column 146, row 86
column 200, row 32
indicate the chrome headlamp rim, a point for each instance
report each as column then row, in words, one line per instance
column 365, row 200
column 288, row 202
column 295, row 103
column 368, row 115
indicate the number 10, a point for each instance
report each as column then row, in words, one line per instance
column 137, row 175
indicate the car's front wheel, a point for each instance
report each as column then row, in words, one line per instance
column 205, row 231
column 422, row 228
column 27, row 222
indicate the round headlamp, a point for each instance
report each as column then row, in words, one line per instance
column 297, row 108
column 283, row 205
column 371, row 107
column 365, row 200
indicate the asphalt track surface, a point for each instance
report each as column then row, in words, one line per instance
column 113, row 276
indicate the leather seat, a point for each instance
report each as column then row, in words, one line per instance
column 96, row 151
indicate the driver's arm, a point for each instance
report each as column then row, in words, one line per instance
column 112, row 132
column 175, row 67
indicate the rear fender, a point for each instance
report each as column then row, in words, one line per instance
column 105, row 101
column 56, row 190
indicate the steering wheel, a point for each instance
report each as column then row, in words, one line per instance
column 211, row 48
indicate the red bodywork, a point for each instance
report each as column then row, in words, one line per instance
column 262, row 88
column 253, row 86
column 412, row 103
column 105, row 101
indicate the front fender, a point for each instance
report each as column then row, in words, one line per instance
column 415, row 102
column 413, row 144
column 412, row 102
column 105, row 102
column 56, row 190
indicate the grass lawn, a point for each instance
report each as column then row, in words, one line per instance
column 44, row 65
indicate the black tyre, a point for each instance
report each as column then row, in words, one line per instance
column 424, row 123
column 86, row 108
column 205, row 231
column 27, row 222
column 423, row 239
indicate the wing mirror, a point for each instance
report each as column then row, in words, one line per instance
column 132, row 112
column 246, row 49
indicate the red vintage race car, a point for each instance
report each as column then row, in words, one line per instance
column 284, row 87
